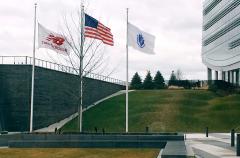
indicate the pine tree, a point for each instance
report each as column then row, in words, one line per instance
column 158, row 81
column 148, row 83
column 136, row 82
column 173, row 79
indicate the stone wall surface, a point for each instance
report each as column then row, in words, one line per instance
column 55, row 97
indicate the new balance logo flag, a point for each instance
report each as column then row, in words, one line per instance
column 51, row 40
column 95, row 29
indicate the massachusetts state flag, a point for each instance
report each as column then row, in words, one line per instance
column 140, row 40
column 95, row 29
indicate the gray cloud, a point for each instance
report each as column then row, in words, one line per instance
column 175, row 23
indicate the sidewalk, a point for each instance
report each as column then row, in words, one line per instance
column 217, row 145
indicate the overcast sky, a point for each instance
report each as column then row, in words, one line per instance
column 175, row 23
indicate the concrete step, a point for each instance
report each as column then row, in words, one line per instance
column 176, row 149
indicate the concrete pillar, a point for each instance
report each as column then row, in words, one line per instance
column 209, row 74
column 232, row 138
column 223, row 75
column 232, row 76
column 228, row 76
column 216, row 75
column 238, row 145
column 237, row 76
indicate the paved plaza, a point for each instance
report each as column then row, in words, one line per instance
column 217, row 145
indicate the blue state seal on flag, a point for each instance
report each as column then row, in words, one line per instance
column 140, row 40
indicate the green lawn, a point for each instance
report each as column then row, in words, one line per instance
column 164, row 111
column 81, row 153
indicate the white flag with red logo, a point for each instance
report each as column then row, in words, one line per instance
column 51, row 40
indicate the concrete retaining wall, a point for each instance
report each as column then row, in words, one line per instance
column 55, row 97
column 88, row 140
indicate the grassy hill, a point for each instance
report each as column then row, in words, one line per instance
column 164, row 111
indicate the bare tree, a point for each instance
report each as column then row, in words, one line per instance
column 179, row 75
column 87, row 55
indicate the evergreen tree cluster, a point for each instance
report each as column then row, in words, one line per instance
column 148, row 83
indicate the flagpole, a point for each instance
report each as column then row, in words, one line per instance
column 33, row 69
column 81, row 69
column 127, row 76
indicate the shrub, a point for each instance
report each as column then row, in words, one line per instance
column 221, row 88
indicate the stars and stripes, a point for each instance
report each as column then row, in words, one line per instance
column 95, row 29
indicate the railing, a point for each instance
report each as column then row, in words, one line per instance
column 26, row 60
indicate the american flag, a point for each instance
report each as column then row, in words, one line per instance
column 95, row 29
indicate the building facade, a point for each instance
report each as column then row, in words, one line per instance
column 221, row 40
